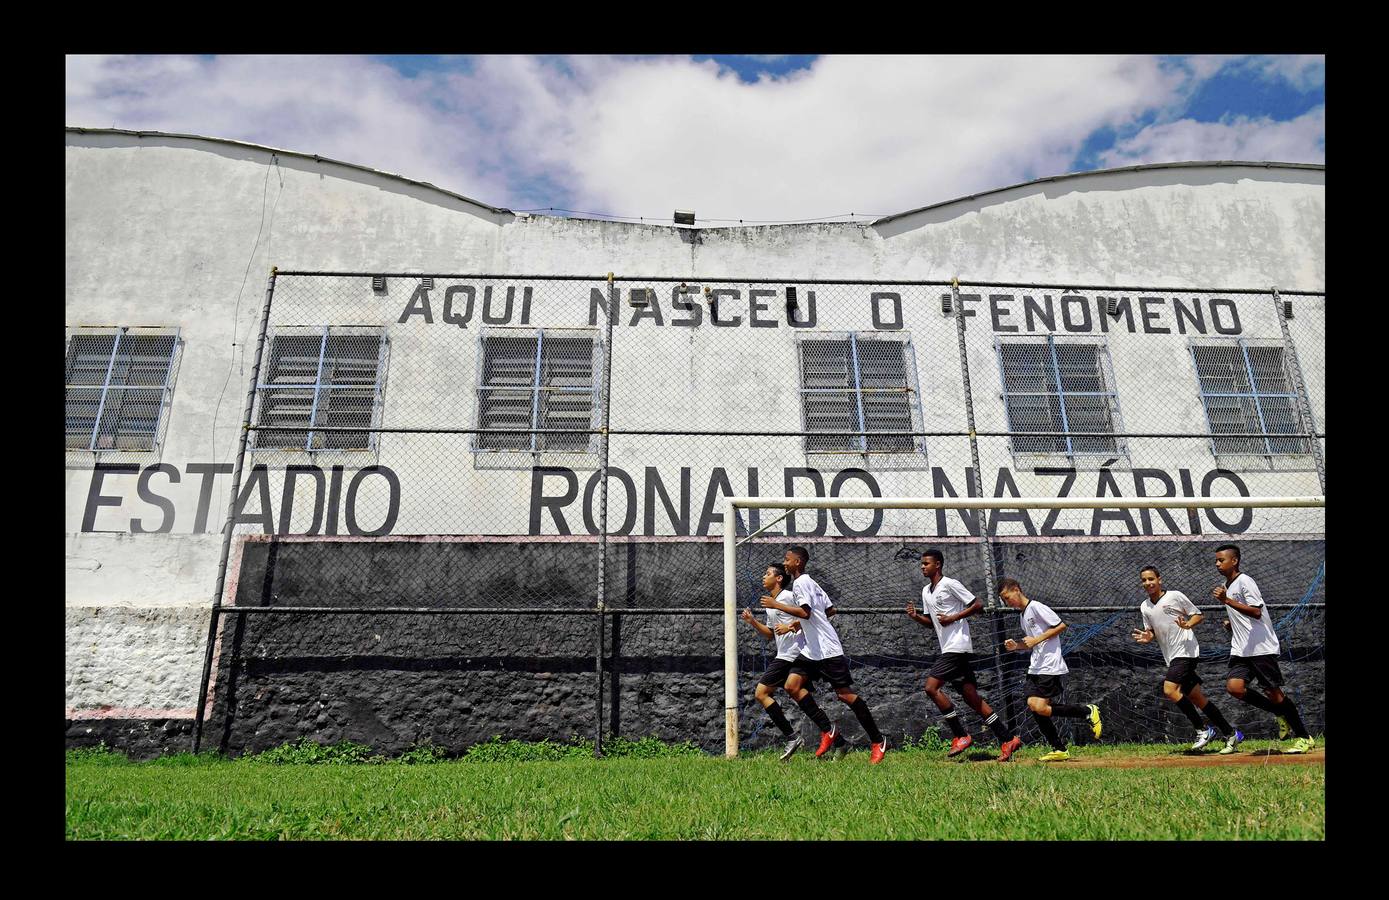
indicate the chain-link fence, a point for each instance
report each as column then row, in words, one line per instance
column 423, row 545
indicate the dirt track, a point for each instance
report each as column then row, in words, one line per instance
column 1181, row 759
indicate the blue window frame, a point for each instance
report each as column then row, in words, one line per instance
column 854, row 382
column 1246, row 391
column 542, row 379
column 331, row 378
column 1064, row 391
column 117, row 388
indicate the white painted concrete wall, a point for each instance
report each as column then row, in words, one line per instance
column 181, row 232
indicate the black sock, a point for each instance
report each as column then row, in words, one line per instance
column 1217, row 718
column 1289, row 712
column 953, row 720
column 1070, row 710
column 1189, row 710
column 1049, row 731
column 814, row 712
column 779, row 719
column 999, row 728
column 1254, row 698
column 865, row 718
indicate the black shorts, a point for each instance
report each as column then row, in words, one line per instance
column 1182, row 673
column 1265, row 668
column 954, row 668
column 834, row 669
column 1048, row 686
column 776, row 673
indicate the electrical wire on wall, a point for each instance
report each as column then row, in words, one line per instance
column 238, row 357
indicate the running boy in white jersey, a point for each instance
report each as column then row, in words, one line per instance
column 948, row 604
column 1254, row 651
column 1169, row 617
column 1042, row 628
column 823, row 656
column 785, row 629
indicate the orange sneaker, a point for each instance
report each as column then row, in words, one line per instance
column 960, row 745
column 827, row 740
column 876, row 755
column 1009, row 748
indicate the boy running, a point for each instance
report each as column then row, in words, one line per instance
column 1169, row 617
column 823, row 656
column 1254, row 652
column 948, row 604
column 1047, row 668
column 785, row 629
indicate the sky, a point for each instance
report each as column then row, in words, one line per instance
column 737, row 139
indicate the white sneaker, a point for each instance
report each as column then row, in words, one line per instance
column 1232, row 742
column 1204, row 737
column 792, row 746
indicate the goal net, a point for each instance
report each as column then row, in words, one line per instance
column 1080, row 556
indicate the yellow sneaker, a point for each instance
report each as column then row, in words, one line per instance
column 1095, row 725
column 1055, row 756
column 1301, row 745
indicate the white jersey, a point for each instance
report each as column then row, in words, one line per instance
column 791, row 644
column 1046, row 657
column 1161, row 619
column 949, row 598
column 821, row 640
column 1249, row 636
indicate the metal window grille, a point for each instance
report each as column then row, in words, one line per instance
column 854, row 383
column 117, row 387
column 326, row 379
column 1062, row 387
column 539, row 380
column 1246, row 389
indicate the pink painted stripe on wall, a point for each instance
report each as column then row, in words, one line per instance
column 768, row 538
column 130, row 713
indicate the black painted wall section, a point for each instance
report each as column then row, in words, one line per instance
column 396, row 681
column 137, row 738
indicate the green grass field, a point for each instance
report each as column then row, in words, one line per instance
column 912, row 795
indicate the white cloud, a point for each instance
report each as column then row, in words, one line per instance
column 871, row 135
column 1305, row 73
column 866, row 135
column 1236, row 138
column 346, row 108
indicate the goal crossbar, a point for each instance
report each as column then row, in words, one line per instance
column 730, row 545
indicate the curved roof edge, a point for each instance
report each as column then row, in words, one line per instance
column 1140, row 168
column 313, row 156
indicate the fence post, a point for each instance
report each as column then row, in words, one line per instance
column 990, row 574
column 1304, row 403
column 603, row 516
column 231, row 508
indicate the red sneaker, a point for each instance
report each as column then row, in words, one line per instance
column 1009, row 748
column 960, row 745
column 876, row 756
column 827, row 740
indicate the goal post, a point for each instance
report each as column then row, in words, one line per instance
column 732, row 541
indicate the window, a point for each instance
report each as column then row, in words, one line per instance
column 1063, row 387
column 536, row 380
column 117, row 386
column 1246, row 389
column 329, row 379
column 858, row 382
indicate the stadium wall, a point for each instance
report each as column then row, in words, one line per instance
column 177, row 232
